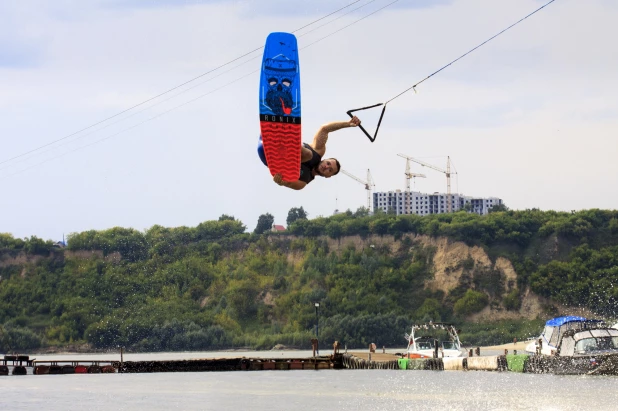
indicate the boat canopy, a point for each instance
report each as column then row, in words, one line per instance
column 589, row 341
column 555, row 327
column 558, row 321
column 596, row 333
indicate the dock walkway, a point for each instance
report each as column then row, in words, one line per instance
column 22, row 365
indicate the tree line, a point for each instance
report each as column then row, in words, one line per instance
column 218, row 286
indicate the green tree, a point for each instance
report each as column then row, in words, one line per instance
column 265, row 223
column 472, row 302
column 8, row 242
column 498, row 207
column 36, row 245
column 333, row 229
column 379, row 226
column 361, row 212
column 512, row 301
column 296, row 213
column 429, row 310
column 613, row 225
column 18, row 338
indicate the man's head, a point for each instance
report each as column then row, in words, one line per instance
column 328, row 168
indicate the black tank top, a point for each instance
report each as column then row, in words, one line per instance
column 306, row 168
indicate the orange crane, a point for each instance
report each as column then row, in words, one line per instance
column 449, row 199
column 369, row 184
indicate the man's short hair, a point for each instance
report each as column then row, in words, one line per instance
column 338, row 166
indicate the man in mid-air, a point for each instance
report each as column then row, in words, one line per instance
column 312, row 164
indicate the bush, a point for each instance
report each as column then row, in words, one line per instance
column 472, row 302
column 512, row 301
column 18, row 339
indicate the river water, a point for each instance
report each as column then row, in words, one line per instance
column 301, row 389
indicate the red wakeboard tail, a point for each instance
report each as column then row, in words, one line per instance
column 282, row 147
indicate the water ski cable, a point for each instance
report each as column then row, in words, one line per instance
column 50, row 146
column 173, row 88
column 192, row 100
column 372, row 138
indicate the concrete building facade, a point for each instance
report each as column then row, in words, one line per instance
column 402, row 202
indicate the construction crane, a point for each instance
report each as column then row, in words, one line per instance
column 410, row 175
column 449, row 199
column 368, row 185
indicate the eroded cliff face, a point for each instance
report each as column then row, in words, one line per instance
column 451, row 261
column 21, row 258
column 453, row 265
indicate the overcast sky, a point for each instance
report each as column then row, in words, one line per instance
column 530, row 117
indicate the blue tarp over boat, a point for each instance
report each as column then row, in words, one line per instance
column 558, row 321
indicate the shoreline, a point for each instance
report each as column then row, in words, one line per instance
column 519, row 346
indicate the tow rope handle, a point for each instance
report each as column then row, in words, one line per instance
column 372, row 139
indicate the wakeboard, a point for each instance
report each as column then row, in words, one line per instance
column 280, row 105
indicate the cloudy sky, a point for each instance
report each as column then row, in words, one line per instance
column 530, row 117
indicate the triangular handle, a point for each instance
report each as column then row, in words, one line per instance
column 372, row 139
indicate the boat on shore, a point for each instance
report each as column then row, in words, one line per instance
column 592, row 351
column 428, row 346
column 547, row 343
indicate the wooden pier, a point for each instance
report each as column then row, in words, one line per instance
column 43, row 367
column 22, row 365
column 19, row 363
column 229, row 364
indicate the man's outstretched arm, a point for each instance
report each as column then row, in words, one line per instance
column 319, row 141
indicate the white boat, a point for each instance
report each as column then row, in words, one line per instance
column 594, row 341
column 547, row 342
column 427, row 346
column 593, row 351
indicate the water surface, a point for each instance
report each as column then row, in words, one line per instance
column 302, row 389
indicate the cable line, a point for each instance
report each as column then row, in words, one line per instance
column 181, row 92
column 171, row 89
column 465, row 54
column 372, row 138
column 128, row 128
column 354, row 22
column 192, row 100
column 343, row 15
column 328, row 15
